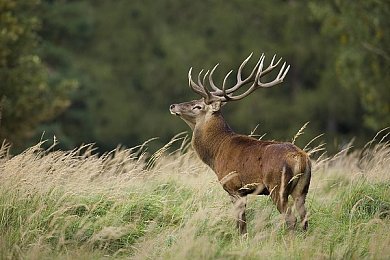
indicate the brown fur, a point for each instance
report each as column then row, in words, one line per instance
column 253, row 160
column 245, row 165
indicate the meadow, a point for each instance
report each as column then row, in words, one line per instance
column 134, row 205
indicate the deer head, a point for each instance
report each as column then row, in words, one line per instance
column 196, row 111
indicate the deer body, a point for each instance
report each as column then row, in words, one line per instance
column 245, row 165
column 250, row 160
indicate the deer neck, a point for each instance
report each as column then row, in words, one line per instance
column 209, row 135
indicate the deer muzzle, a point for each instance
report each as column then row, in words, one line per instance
column 174, row 109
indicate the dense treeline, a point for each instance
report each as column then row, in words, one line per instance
column 117, row 65
column 27, row 97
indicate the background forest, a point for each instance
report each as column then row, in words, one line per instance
column 107, row 71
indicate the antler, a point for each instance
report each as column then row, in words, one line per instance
column 226, row 95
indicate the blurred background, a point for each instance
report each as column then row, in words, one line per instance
column 106, row 71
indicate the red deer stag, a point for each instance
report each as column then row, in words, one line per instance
column 245, row 165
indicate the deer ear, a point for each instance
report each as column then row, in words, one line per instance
column 216, row 106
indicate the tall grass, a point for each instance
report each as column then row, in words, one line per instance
column 125, row 204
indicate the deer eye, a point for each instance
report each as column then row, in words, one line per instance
column 197, row 107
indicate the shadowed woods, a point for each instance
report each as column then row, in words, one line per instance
column 83, row 70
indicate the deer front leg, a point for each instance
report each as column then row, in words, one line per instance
column 239, row 209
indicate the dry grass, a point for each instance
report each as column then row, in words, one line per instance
column 125, row 204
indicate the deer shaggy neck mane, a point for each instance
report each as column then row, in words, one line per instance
column 208, row 137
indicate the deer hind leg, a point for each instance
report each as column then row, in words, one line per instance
column 280, row 199
column 239, row 209
column 300, row 207
column 279, row 195
column 299, row 195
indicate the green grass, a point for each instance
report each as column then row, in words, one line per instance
column 77, row 205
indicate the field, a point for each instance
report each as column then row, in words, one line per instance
column 128, row 204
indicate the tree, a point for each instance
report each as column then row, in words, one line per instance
column 360, row 34
column 26, row 97
column 131, row 59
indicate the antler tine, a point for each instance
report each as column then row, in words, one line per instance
column 224, row 94
column 206, row 93
column 242, row 66
column 285, row 72
column 197, row 89
column 224, row 81
column 260, row 73
column 199, row 81
column 281, row 70
column 209, row 95
column 200, row 88
column 279, row 79
column 271, row 66
column 241, row 82
column 212, row 85
column 191, row 83
column 259, row 69
column 204, row 78
column 254, row 85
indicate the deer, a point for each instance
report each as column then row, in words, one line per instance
column 243, row 164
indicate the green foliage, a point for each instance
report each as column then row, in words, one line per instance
column 131, row 58
column 365, row 201
column 26, row 97
column 360, row 37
